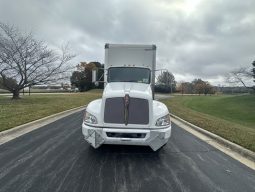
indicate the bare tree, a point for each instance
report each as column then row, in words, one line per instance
column 25, row 61
column 181, row 87
column 253, row 71
column 168, row 79
column 198, row 85
column 202, row 87
column 240, row 76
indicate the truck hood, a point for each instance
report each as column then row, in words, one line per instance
column 120, row 89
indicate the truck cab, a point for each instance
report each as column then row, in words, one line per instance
column 127, row 113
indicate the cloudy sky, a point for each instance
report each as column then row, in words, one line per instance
column 195, row 38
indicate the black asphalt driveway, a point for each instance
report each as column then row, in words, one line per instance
column 56, row 158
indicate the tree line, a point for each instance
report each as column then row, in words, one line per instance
column 197, row 86
column 166, row 84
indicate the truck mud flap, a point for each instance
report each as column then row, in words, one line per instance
column 94, row 138
column 156, row 140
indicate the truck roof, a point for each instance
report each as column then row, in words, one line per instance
column 152, row 46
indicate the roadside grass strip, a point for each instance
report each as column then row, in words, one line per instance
column 30, row 108
column 231, row 117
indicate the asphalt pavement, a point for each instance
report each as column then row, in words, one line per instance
column 56, row 158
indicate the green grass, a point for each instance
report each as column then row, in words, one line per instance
column 29, row 108
column 232, row 117
column 238, row 109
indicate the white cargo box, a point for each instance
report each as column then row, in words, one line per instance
column 119, row 55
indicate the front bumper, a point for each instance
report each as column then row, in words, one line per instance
column 155, row 138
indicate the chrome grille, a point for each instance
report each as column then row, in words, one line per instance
column 137, row 109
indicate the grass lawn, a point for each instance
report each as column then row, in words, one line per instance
column 29, row 108
column 232, row 117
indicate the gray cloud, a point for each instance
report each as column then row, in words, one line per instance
column 206, row 40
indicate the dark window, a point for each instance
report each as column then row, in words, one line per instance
column 129, row 74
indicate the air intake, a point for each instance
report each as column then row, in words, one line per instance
column 117, row 111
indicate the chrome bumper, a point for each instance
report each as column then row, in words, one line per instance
column 154, row 138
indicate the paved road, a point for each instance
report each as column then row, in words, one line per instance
column 56, row 158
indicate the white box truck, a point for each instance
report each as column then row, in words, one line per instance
column 127, row 113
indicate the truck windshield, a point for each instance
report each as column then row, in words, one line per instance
column 129, row 74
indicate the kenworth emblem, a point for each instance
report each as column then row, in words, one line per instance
column 126, row 104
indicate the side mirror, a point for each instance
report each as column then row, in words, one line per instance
column 94, row 76
column 95, row 79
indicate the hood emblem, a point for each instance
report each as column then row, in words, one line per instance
column 126, row 106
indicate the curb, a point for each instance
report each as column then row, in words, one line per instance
column 15, row 132
column 237, row 148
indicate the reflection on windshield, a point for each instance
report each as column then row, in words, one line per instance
column 129, row 74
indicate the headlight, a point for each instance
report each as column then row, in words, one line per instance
column 163, row 121
column 88, row 118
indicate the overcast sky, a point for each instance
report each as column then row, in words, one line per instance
column 195, row 38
